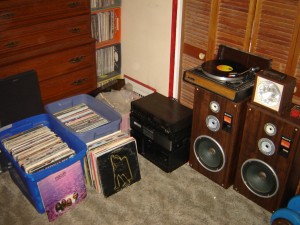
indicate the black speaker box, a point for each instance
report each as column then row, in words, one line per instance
column 268, row 166
column 216, row 134
column 20, row 97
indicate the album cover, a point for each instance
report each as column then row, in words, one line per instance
column 119, row 167
column 99, row 145
column 62, row 190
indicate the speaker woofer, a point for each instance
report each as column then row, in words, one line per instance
column 209, row 153
column 259, row 178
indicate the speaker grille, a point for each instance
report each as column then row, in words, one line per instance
column 259, row 178
column 209, row 153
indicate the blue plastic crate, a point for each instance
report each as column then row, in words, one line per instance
column 28, row 182
column 98, row 106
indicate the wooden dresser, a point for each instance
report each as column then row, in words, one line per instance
column 53, row 38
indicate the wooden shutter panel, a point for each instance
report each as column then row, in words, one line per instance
column 196, row 23
column 273, row 31
column 187, row 89
column 232, row 26
column 294, row 66
column 195, row 33
column 275, row 34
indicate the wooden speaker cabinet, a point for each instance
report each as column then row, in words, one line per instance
column 216, row 134
column 269, row 160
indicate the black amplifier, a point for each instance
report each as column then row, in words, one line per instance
column 162, row 129
column 170, row 141
column 164, row 114
column 160, row 156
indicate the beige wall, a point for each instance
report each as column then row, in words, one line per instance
column 146, row 38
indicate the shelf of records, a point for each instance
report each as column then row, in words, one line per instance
column 80, row 118
column 37, row 148
column 100, row 4
column 108, row 62
column 106, row 26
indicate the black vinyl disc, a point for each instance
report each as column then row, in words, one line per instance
column 223, row 70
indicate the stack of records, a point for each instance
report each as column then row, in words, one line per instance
column 103, row 26
column 97, row 4
column 80, row 118
column 37, row 148
column 108, row 59
column 111, row 163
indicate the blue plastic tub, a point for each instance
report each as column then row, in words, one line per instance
column 98, row 106
column 28, row 182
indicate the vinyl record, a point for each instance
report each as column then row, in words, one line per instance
column 223, row 70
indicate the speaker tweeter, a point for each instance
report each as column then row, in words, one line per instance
column 270, row 129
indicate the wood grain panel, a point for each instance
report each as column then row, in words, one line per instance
column 196, row 23
column 20, row 13
column 274, row 30
column 232, row 24
column 195, row 33
column 67, row 85
column 186, row 95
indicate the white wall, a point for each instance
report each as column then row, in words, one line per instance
column 146, row 39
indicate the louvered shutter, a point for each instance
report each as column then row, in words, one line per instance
column 275, row 32
column 196, row 22
column 232, row 26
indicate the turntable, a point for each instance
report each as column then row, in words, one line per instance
column 231, row 75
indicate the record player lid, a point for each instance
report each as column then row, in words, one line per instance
column 223, row 70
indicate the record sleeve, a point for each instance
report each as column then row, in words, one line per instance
column 63, row 190
column 96, row 146
column 119, row 167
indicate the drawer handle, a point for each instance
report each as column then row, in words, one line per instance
column 73, row 4
column 75, row 30
column 79, row 82
column 11, row 44
column 77, row 59
column 8, row 15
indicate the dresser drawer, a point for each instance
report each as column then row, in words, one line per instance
column 29, row 36
column 54, row 64
column 24, row 12
column 81, row 81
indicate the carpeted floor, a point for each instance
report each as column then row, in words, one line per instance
column 182, row 197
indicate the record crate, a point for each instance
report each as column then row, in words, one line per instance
column 28, row 183
column 94, row 104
